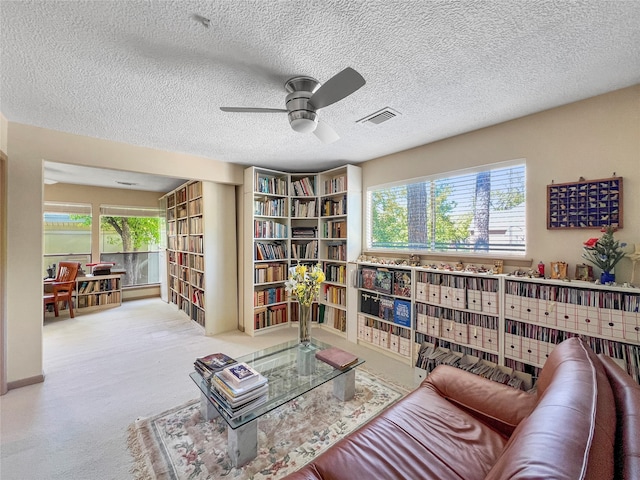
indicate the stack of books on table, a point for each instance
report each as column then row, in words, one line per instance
column 216, row 362
column 238, row 389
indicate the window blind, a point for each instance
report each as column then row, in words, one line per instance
column 473, row 211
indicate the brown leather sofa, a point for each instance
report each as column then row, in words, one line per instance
column 582, row 423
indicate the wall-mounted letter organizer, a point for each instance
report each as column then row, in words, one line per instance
column 585, row 204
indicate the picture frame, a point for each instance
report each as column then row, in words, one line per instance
column 584, row 272
column 559, row 270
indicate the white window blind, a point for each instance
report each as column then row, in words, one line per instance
column 69, row 208
column 472, row 212
column 120, row 211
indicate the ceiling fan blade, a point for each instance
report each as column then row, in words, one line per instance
column 336, row 88
column 252, row 110
column 325, row 132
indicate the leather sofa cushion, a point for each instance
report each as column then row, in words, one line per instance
column 627, row 396
column 499, row 406
column 422, row 437
column 571, row 432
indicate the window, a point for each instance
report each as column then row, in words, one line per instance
column 129, row 237
column 470, row 212
column 67, row 234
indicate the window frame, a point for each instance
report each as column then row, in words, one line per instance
column 368, row 217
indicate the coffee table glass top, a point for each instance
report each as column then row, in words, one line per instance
column 291, row 369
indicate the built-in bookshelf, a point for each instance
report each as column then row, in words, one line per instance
column 96, row 292
column 340, row 229
column 296, row 218
column 267, row 245
column 493, row 323
column 200, row 239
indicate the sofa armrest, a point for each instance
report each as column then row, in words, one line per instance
column 500, row 406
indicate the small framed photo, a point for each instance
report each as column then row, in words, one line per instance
column 584, row 272
column 559, row 270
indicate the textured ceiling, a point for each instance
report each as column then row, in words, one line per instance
column 147, row 73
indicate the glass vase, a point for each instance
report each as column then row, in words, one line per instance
column 607, row 277
column 304, row 324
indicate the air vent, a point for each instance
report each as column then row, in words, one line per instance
column 380, row 116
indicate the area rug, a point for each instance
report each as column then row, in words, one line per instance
column 180, row 445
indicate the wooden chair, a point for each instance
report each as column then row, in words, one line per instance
column 62, row 287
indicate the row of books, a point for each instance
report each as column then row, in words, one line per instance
column 270, row 272
column 335, row 229
column 629, row 302
column 236, row 388
column 269, row 296
column 331, row 207
column 270, row 208
column 95, row 286
column 269, row 316
column 98, row 299
column 194, row 189
column 335, row 295
column 337, row 252
column 270, row 251
column 196, row 226
column 336, row 184
column 269, row 184
column 303, row 187
column 431, row 355
column 305, row 251
column 333, row 317
column 269, row 229
column 195, row 207
column 336, row 273
column 421, row 338
column 304, row 232
column 387, row 308
column 183, row 227
column 303, row 208
column 458, row 281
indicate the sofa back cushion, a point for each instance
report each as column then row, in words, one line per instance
column 571, row 432
column 627, row 396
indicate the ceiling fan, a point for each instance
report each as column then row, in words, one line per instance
column 306, row 96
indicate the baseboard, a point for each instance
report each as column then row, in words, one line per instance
column 23, row 382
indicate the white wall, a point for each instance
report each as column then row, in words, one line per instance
column 592, row 139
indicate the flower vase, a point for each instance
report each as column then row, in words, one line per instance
column 607, row 277
column 304, row 324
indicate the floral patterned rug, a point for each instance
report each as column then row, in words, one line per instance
column 178, row 444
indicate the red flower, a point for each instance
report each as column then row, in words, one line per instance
column 591, row 242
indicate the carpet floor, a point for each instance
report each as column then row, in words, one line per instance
column 179, row 444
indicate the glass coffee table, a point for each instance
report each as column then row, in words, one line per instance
column 292, row 370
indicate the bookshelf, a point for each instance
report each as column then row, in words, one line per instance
column 299, row 217
column 266, row 226
column 512, row 323
column 385, row 309
column 201, row 236
column 340, row 230
column 97, row 292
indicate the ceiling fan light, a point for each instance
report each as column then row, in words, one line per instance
column 304, row 125
column 303, row 121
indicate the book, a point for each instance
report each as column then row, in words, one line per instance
column 233, row 413
column 240, row 374
column 236, row 401
column 208, row 365
column 336, row 357
column 216, row 361
column 233, row 390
